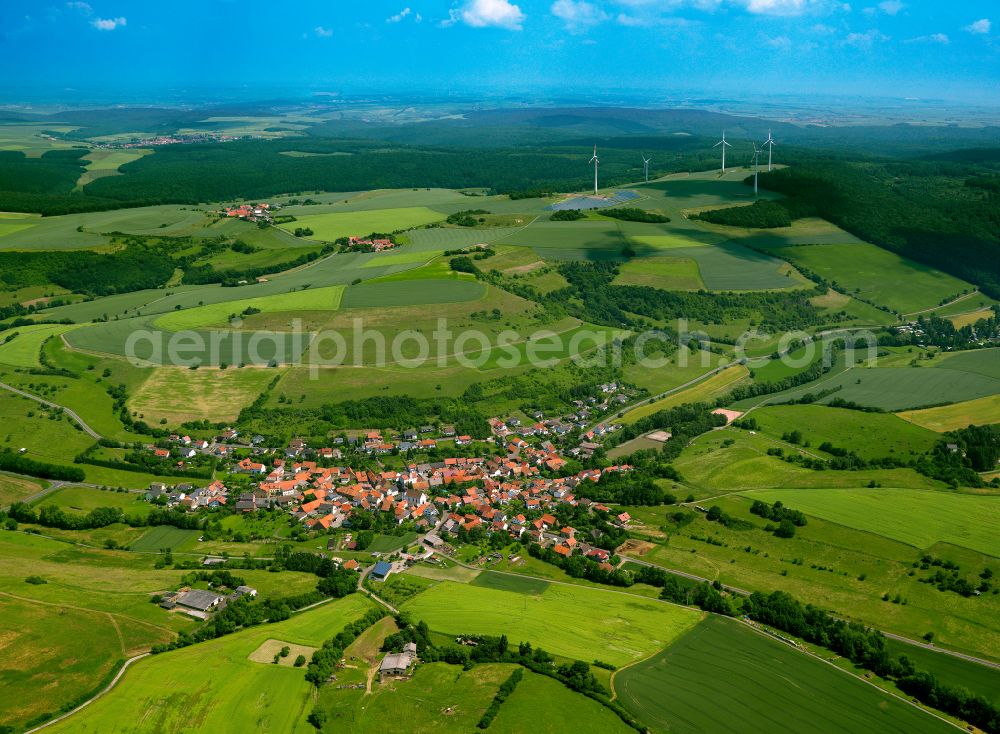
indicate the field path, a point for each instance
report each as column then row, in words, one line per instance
column 87, row 429
column 953, row 300
column 118, row 631
column 96, row 696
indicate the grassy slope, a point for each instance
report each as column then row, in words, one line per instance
column 759, row 684
column 214, row 686
column 623, row 630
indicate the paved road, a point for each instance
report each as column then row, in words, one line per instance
column 87, row 429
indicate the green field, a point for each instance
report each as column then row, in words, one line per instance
column 952, row 670
column 23, row 349
column 180, row 394
column 552, row 708
column 412, row 293
column 918, row 518
column 869, row 435
column 218, row 314
column 666, row 273
column 510, row 582
column 899, row 388
column 983, row 411
column 214, row 686
column 332, row 225
column 390, row 543
column 620, row 628
column 876, row 274
column 704, row 392
column 978, row 362
column 81, row 500
column 163, row 536
column 15, row 489
column 724, row 676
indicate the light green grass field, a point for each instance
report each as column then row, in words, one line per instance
column 876, row 274
column 621, row 628
column 23, row 349
column 163, row 536
column 16, row 489
column 951, row 670
column 918, row 518
column 983, row 411
column 214, row 686
column 723, row 676
column 839, row 568
column 412, row 293
column 552, row 708
column 666, row 273
column 217, row 314
column 869, row 435
column 703, row 392
column 81, row 500
column 331, row 225
column 390, row 543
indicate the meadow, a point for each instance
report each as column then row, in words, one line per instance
column 215, row 685
column 331, row 225
column 704, row 392
column 23, row 349
column 16, row 489
column 81, row 500
column 917, row 518
column 666, row 273
column 759, row 684
column 156, row 539
column 621, row 628
column 875, row 274
column 951, row 670
column 840, row 568
column 412, row 293
column 982, row 411
column 869, row 435
column 552, row 708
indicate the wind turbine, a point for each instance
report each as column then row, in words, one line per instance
column 596, row 163
column 645, row 166
column 770, row 149
column 724, row 145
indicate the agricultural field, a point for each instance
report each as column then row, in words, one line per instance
column 869, row 435
column 179, row 395
column 625, row 629
column 216, row 685
column 332, row 225
column 705, row 391
column 732, row 460
column 917, row 518
column 952, row 670
column 899, row 388
column 219, row 314
column 552, row 708
column 47, row 435
column 438, row 698
column 874, row 274
column 156, row 539
column 22, row 350
column 666, row 273
column 81, row 500
column 106, row 162
column 759, row 684
column 979, row 412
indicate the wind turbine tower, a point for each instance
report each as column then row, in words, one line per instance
column 645, row 166
column 724, row 145
column 596, row 163
column 770, row 149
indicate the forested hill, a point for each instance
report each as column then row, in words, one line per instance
column 942, row 211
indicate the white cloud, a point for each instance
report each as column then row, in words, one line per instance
column 891, row 7
column 865, row 40
column 323, row 32
column 980, row 26
column 781, row 43
column 578, row 15
column 933, row 38
column 786, row 7
column 398, row 16
column 81, row 6
column 487, row 14
column 108, row 24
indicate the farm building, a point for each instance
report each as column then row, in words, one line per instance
column 199, row 600
column 397, row 664
column 381, row 571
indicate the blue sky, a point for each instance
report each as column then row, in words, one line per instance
column 916, row 48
